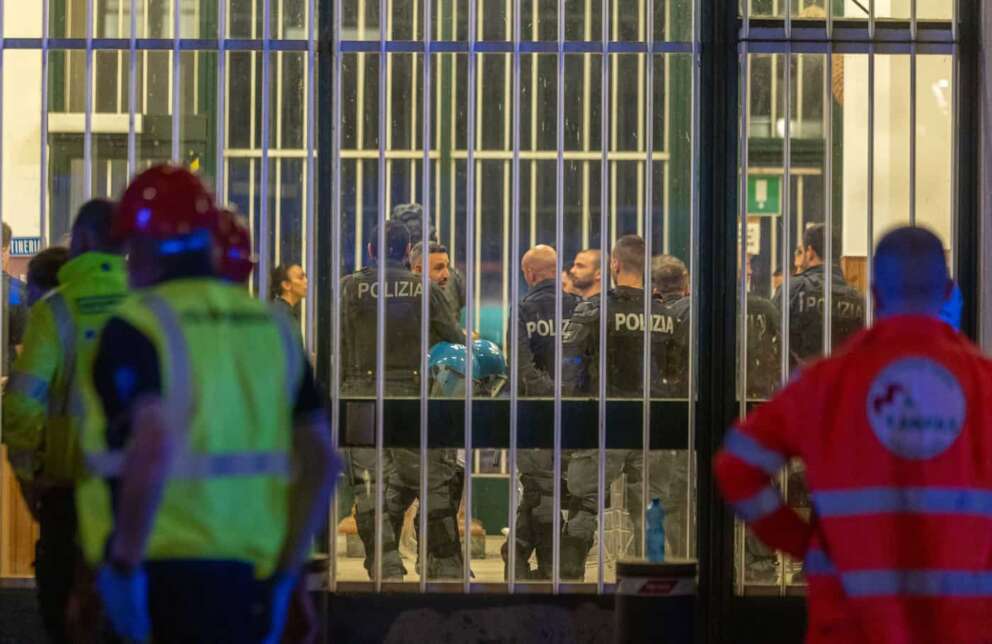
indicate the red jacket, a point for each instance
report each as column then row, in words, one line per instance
column 895, row 431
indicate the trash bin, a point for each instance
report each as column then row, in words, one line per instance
column 655, row 602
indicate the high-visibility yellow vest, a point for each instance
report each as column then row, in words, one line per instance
column 232, row 370
column 41, row 414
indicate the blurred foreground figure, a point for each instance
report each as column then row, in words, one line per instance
column 41, row 417
column 206, row 439
column 895, row 432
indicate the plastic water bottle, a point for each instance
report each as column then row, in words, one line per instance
column 654, row 521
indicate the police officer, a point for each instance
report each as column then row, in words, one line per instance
column 585, row 274
column 624, row 357
column 208, row 442
column 359, row 297
column 536, row 332
column 445, row 476
column 411, row 215
column 807, row 300
column 40, row 412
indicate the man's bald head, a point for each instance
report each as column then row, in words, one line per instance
column 909, row 274
column 539, row 264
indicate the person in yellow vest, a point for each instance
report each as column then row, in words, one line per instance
column 207, row 442
column 40, row 415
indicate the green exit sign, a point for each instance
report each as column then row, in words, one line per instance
column 764, row 195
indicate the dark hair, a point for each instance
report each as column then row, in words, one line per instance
column 43, row 269
column 279, row 275
column 668, row 274
column 815, row 237
column 910, row 266
column 629, row 251
column 397, row 240
column 418, row 250
column 8, row 235
column 411, row 215
column 96, row 218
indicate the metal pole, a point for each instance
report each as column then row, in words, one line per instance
column 604, row 224
column 828, row 98
column 694, row 270
column 470, row 264
column 869, row 253
column 786, row 243
column 264, row 220
column 380, row 322
column 176, row 86
column 515, row 299
column 132, row 93
column 425, row 309
column 745, row 126
column 559, row 248
column 88, row 108
column 648, row 215
column 43, row 197
column 335, row 295
column 219, row 149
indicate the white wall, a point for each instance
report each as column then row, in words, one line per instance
column 22, row 122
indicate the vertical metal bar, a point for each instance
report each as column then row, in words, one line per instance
column 912, row 120
column 559, row 248
column 746, row 20
column 132, row 92
column 43, row 196
column 788, row 19
column 830, row 22
column 743, row 152
column 176, row 85
column 648, row 215
column 335, row 295
column 828, row 97
column 870, row 237
column 604, row 227
column 221, row 142
column 311, row 190
column 787, row 245
column 264, row 223
column 955, row 145
column 380, row 321
column 470, row 264
column 514, row 298
column 694, row 272
column 3, row 321
column 425, row 309
column 88, row 108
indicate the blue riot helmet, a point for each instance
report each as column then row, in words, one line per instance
column 489, row 367
column 447, row 369
column 446, row 363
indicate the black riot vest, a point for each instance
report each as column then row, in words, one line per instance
column 807, row 302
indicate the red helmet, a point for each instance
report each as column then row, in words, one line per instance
column 163, row 202
column 234, row 242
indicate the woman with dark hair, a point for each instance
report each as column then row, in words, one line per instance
column 288, row 288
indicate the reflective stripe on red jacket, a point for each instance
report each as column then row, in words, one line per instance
column 895, row 431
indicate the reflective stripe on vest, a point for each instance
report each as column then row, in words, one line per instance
column 179, row 394
column 818, row 564
column 190, row 466
column 753, row 453
column 757, row 507
column 903, row 500
column 917, row 583
column 29, row 386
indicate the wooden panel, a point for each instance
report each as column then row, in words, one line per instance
column 18, row 531
column 855, row 272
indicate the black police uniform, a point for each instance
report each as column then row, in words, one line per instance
column 624, row 370
column 806, row 305
column 536, row 355
column 360, row 294
column 764, row 364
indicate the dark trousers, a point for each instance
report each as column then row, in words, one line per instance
column 206, row 601
column 56, row 558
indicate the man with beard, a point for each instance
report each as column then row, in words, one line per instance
column 585, row 274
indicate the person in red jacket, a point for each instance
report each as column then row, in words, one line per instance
column 895, row 430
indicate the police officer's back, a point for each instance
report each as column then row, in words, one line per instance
column 624, row 330
column 536, row 330
column 807, row 300
column 670, row 286
column 402, row 290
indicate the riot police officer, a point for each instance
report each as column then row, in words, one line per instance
column 625, row 325
column 360, row 293
column 536, row 332
column 807, row 300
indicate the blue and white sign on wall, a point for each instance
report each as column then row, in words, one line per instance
column 25, row 246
